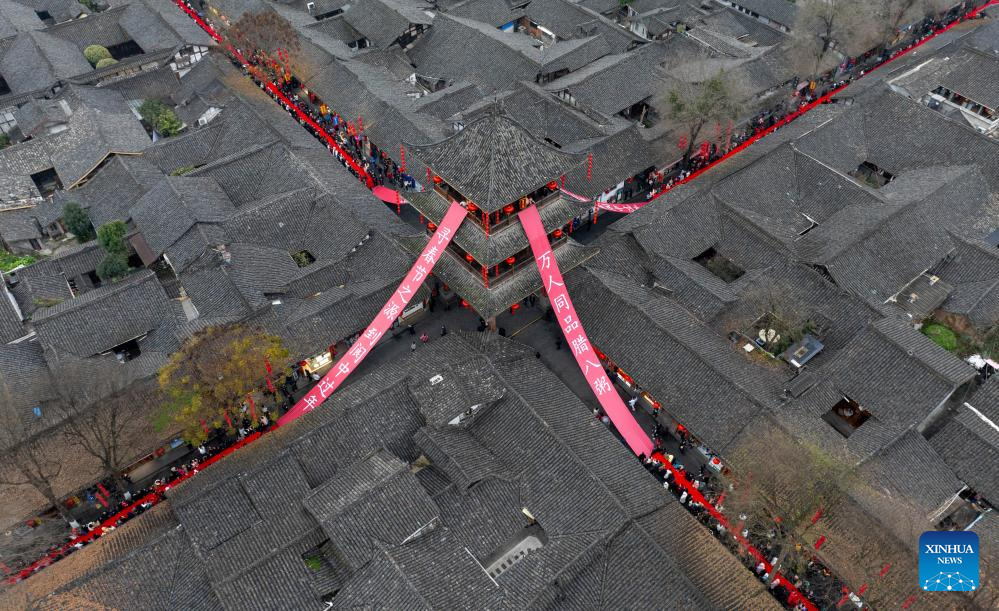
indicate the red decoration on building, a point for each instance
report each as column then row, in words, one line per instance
column 267, row 366
column 227, row 420
column 511, row 260
column 589, row 167
column 820, row 542
column 464, row 303
column 430, row 175
column 514, row 308
column 469, row 257
column 270, row 386
column 485, row 275
column 553, row 185
column 472, row 207
column 508, row 208
column 438, row 180
column 431, row 226
column 360, row 124
column 557, row 233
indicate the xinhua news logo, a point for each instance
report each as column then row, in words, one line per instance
column 948, row 561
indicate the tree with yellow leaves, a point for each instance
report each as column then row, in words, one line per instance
column 214, row 373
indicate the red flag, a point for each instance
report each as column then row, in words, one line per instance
column 227, row 420
column 103, row 490
column 205, row 427
column 360, row 124
column 253, row 408
column 589, row 167
column 818, row 514
column 270, row 386
column 402, row 158
column 267, row 366
column 820, row 542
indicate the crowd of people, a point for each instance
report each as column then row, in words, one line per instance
column 122, row 505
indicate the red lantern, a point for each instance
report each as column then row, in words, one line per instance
column 464, row 303
column 557, row 233
column 508, row 208
column 469, row 258
column 515, row 307
column 431, row 226
column 511, row 260
column 438, row 180
column 553, row 185
column 472, row 207
column 600, row 355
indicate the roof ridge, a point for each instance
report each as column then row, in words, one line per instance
column 136, row 279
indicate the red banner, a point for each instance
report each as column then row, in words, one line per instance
column 575, row 337
column 384, row 320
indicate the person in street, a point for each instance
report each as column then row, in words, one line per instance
column 412, row 346
column 424, row 337
column 412, row 331
column 631, row 403
column 443, row 330
column 558, row 343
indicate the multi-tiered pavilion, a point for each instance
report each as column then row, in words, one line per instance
column 495, row 168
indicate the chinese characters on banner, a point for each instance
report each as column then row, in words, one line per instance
column 383, row 321
column 575, row 338
column 622, row 208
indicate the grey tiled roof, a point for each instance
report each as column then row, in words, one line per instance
column 449, row 101
column 168, row 210
column 25, row 383
column 494, row 161
column 899, row 375
column 15, row 18
column 718, row 576
column 907, row 476
column 36, row 59
column 356, row 89
column 19, row 225
column 701, row 379
column 494, row 12
column 973, row 271
column 379, row 484
column 104, row 318
column 969, row 443
column 115, row 188
column 781, row 11
column 872, row 131
column 457, row 49
column 568, row 20
column 383, row 21
column 615, row 82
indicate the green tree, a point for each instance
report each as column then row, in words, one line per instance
column 111, row 237
column 168, row 123
column 78, row 222
column 113, row 267
column 107, row 61
column 95, row 53
column 212, row 375
column 150, row 109
column 4, row 140
column 9, row 261
column 160, row 117
column 691, row 106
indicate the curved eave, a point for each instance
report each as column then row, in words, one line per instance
column 492, row 249
column 498, row 298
